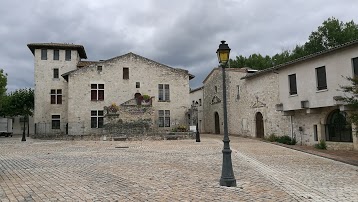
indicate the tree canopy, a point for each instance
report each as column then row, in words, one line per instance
column 331, row 33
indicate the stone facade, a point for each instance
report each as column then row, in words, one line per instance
column 122, row 77
column 245, row 98
column 305, row 114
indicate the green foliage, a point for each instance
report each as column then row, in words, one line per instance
column 321, row 145
column 281, row 139
column 18, row 103
column 3, row 83
column 351, row 99
column 331, row 33
column 146, row 97
column 287, row 140
column 272, row 138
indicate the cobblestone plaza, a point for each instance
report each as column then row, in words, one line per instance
column 177, row 170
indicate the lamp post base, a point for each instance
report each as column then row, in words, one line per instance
column 228, row 182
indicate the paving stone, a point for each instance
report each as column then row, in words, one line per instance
column 182, row 170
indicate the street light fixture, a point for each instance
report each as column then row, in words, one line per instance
column 227, row 174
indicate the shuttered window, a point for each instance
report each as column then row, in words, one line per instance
column 292, row 84
column 321, row 78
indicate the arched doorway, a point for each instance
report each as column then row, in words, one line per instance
column 137, row 95
column 259, row 125
column 338, row 128
column 217, row 123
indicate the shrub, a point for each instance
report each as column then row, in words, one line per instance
column 321, row 145
column 272, row 138
column 286, row 140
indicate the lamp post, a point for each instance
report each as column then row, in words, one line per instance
column 194, row 112
column 227, row 174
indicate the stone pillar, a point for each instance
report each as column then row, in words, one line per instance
column 355, row 137
column 321, row 132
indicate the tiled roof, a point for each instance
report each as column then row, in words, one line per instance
column 85, row 63
column 79, row 48
column 305, row 58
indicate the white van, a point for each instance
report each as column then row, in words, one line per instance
column 5, row 127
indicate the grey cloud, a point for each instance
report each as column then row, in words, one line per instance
column 182, row 34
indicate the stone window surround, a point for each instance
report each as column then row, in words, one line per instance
column 164, row 92
column 164, row 118
column 55, row 121
column 96, row 118
column 97, row 91
column 56, row 73
column 56, row 96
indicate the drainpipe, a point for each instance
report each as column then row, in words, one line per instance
column 291, row 126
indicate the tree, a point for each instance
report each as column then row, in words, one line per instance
column 331, row 33
column 351, row 98
column 19, row 103
column 3, row 83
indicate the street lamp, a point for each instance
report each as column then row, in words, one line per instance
column 195, row 119
column 227, row 174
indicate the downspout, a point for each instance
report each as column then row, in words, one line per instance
column 291, row 120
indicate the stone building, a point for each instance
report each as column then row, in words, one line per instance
column 250, row 104
column 70, row 94
column 299, row 98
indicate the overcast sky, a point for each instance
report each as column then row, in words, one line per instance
column 178, row 33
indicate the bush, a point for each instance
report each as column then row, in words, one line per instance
column 281, row 139
column 321, row 145
column 272, row 138
column 286, row 140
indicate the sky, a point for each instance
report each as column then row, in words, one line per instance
column 178, row 33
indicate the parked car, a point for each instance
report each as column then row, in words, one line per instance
column 5, row 127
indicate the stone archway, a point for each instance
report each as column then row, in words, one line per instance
column 217, row 123
column 260, row 132
column 337, row 127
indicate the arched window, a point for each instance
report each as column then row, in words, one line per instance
column 338, row 128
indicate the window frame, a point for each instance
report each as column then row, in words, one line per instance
column 56, row 96
column 137, row 84
column 355, row 66
column 163, row 92
column 164, row 118
column 321, row 82
column 43, row 54
column 292, row 84
column 125, row 73
column 97, row 92
column 56, row 75
column 97, row 118
column 55, row 121
column 56, row 54
column 68, row 55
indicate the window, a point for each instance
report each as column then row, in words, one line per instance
column 164, row 118
column 137, row 84
column 99, row 68
column 56, row 96
column 56, row 54
column 315, row 133
column 68, row 55
column 55, row 73
column 216, row 89
column 97, row 92
column 321, row 78
column 238, row 92
column 293, row 84
column 97, row 119
column 43, row 54
column 355, row 66
column 163, row 92
column 125, row 73
column 55, row 122
column 199, row 102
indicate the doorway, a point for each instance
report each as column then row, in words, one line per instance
column 259, row 125
column 217, row 123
